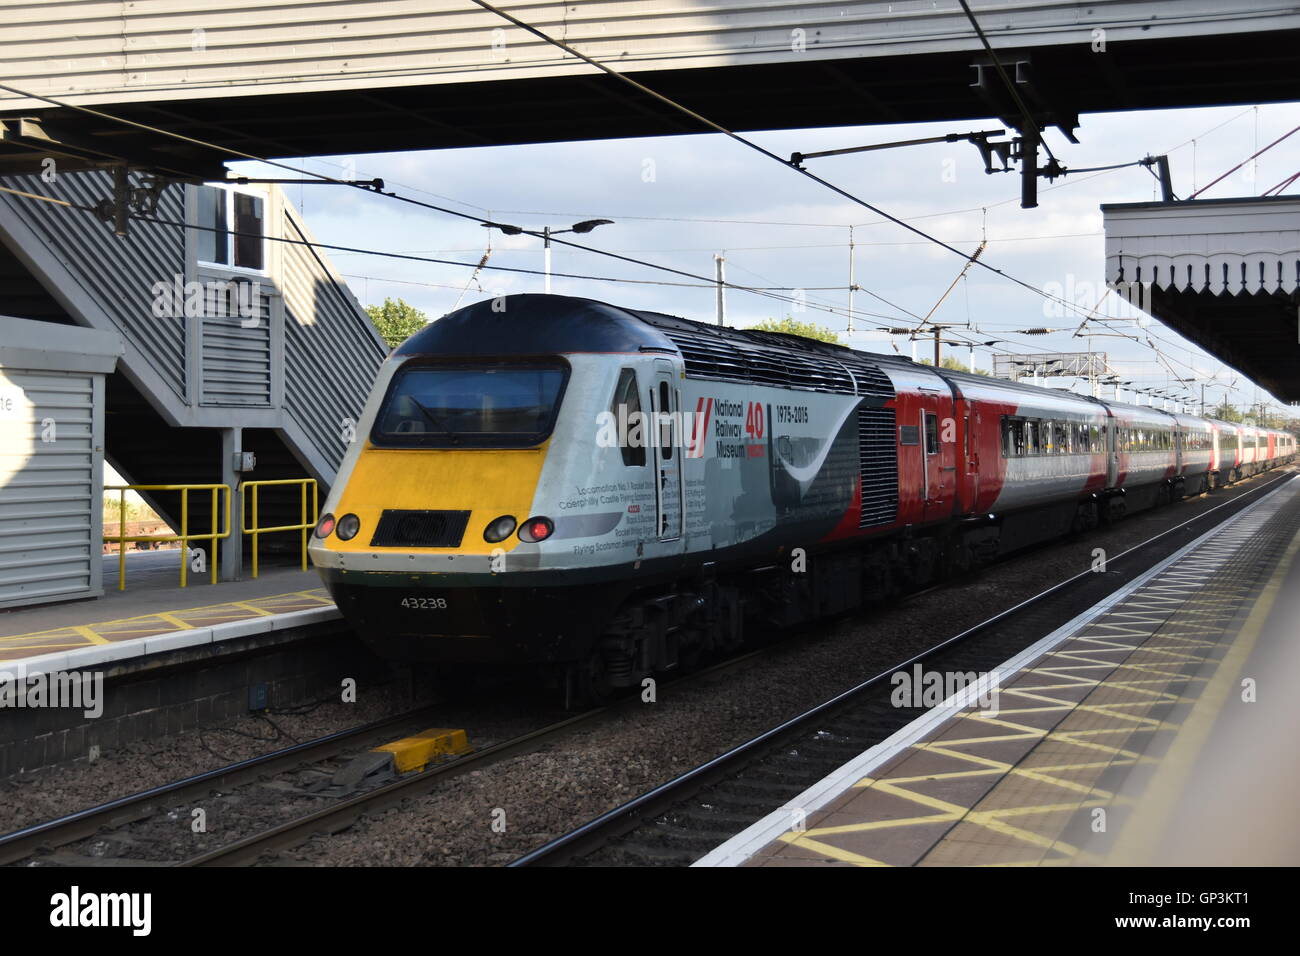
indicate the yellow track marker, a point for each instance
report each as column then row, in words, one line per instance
column 415, row 752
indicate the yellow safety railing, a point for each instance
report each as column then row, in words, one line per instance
column 184, row 537
column 308, row 518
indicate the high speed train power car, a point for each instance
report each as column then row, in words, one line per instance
column 609, row 493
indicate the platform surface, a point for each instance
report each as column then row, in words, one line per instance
column 154, row 604
column 1156, row 728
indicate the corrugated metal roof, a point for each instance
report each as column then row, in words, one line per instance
column 98, row 52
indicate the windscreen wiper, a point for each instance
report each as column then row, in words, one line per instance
column 433, row 419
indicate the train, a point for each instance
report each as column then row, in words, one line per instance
column 606, row 494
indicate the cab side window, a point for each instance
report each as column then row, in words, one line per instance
column 931, row 434
column 665, row 423
column 627, row 413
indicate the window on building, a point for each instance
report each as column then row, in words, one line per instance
column 231, row 228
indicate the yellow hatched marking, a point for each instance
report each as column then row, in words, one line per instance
column 1148, row 821
column 173, row 619
column 252, row 607
column 127, row 622
column 834, row 852
column 89, row 635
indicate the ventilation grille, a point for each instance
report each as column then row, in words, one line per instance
column 766, row 358
column 879, row 462
column 420, row 529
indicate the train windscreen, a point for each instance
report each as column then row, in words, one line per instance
column 438, row 406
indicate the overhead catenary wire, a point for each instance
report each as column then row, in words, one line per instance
column 1253, row 155
column 750, row 144
column 402, row 256
column 769, row 293
column 838, row 190
column 404, row 199
column 885, row 217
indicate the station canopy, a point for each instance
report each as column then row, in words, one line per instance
column 1224, row 273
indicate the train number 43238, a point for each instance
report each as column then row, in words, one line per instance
column 424, row 603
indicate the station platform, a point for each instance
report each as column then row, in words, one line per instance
column 155, row 614
column 1156, row 728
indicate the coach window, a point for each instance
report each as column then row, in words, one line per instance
column 1062, row 438
column 627, row 413
column 1033, row 440
column 931, row 434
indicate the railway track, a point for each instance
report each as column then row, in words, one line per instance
column 681, row 820
column 27, row 842
column 680, row 833
column 34, row 843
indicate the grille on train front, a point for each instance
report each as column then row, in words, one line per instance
column 878, row 458
column 420, row 529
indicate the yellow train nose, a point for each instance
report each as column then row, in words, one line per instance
column 484, row 484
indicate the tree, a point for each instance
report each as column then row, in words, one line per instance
column 1226, row 413
column 956, row 365
column 396, row 321
column 790, row 327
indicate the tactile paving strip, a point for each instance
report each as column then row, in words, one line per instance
column 1024, row 786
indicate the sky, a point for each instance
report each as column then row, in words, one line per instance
column 679, row 201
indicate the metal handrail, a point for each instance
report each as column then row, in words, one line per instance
column 184, row 537
column 308, row 519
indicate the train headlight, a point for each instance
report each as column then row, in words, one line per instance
column 348, row 527
column 499, row 529
column 325, row 526
column 536, row 529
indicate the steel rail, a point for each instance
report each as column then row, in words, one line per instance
column 23, row 843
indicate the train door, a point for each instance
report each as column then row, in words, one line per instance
column 667, row 445
column 1112, row 458
column 970, row 460
column 939, row 448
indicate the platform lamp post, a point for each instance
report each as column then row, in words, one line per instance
column 587, row 225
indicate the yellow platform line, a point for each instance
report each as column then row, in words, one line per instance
column 165, row 615
column 252, row 607
column 89, row 634
column 1147, row 823
column 173, row 619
